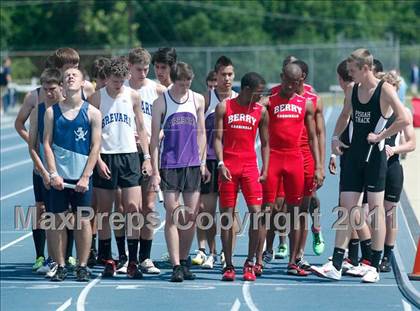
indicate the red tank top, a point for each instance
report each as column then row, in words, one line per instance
column 304, row 139
column 240, row 125
column 287, row 119
column 306, row 88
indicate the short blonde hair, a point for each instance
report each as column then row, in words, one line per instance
column 390, row 77
column 139, row 56
column 361, row 57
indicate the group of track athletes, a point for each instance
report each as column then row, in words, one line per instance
column 115, row 144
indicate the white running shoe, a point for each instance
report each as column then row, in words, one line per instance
column 359, row 271
column 327, row 271
column 346, row 267
column 209, row 263
column 268, row 256
column 148, row 267
column 122, row 266
column 46, row 266
column 53, row 270
column 371, row 276
column 199, row 259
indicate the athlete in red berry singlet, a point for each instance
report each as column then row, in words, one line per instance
column 237, row 122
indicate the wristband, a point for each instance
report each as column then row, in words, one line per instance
column 53, row 175
column 203, row 163
column 220, row 163
column 334, row 138
column 333, row 156
column 146, row 157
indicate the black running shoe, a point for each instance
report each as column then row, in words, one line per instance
column 385, row 265
column 60, row 275
column 109, row 269
column 177, row 274
column 188, row 275
column 133, row 271
column 82, row 274
column 92, row 258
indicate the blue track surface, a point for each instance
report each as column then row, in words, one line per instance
column 23, row 290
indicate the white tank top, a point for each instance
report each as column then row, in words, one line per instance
column 148, row 94
column 117, row 122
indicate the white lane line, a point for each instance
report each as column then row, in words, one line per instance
column 247, row 296
column 82, row 297
column 65, row 305
column 408, row 227
column 236, row 305
column 11, row 135
column 406, row 305
column 10, row 195
column 10, row 166
column 12, row 148
column 16, row 241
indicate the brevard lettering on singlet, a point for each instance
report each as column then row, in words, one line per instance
column 287, row 107
column 116, row 117
column 146, row 108
column 362, row 116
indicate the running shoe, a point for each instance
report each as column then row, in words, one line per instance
column 385, row 265
column 82, row 274
column 268, row 256
column 148, row 267
column 282, row 251
column 318, row 243
column 109, row 269
column 228, row 274
column 122, row 264
column 60, row 275
column 39, row 262
column 303, row 264
column 327, row 271
column 360, row 270
column 133, row 271
column 188, row 275
column 53, row 269
column 258, row 269
column 93, row 257
column 45, row 267
column 294, row 269
column 209, row 263
column 199, row 259
column 371, row 276
column 347, row 265
column 71, row 263
column 166, row 257
column 248, row 270
column 177, row 274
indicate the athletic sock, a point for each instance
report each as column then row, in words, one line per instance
column 376, row 258
column 93, row 245
column 354, row 251
column 366, row 247
column 104, row 249
column 70, row 242
column 133, row 247
column 145, row 249
column 338, row 257
column 388, row 251
column 121, row 245
column 39, row 241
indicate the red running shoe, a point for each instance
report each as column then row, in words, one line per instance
column 249, row 274
column 109, row 269
column 229, row 274
column 295, row 270
column 258, row 269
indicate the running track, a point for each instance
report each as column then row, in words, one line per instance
column 22, row 290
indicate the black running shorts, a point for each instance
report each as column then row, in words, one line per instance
column 213, row 185
column 185, row 179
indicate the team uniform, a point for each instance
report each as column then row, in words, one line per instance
column 71, row 148
column 286, row 166
column 211, row 162
column 357, row 173
column 118, row 144
column 240, row 124
column 180, row 156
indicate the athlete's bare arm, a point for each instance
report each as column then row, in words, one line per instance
column 29, row 102
column 320, row 130
column 141, row 132
column 95, row 99
column 88, row 89
column 218, row 147
column 390, row 103
column 341, row 124
column 160, row 89
column 56, row 180
column 265, row 147
column 201, row 137
column 206, row 100
column 313, row 142
column 158, row 112
column 408, row 143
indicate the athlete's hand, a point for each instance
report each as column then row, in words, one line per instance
column 337, row 146
column 146, row 168
column 205, row 174
column 318, row 177
column 389, row 151
column 373, row 138
column 82, row 185
column 103, row 170
column 46, row 180
column 332, row 166
column 155, row 182
column 224, row 172
column 263, row 177
column 57, row 183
